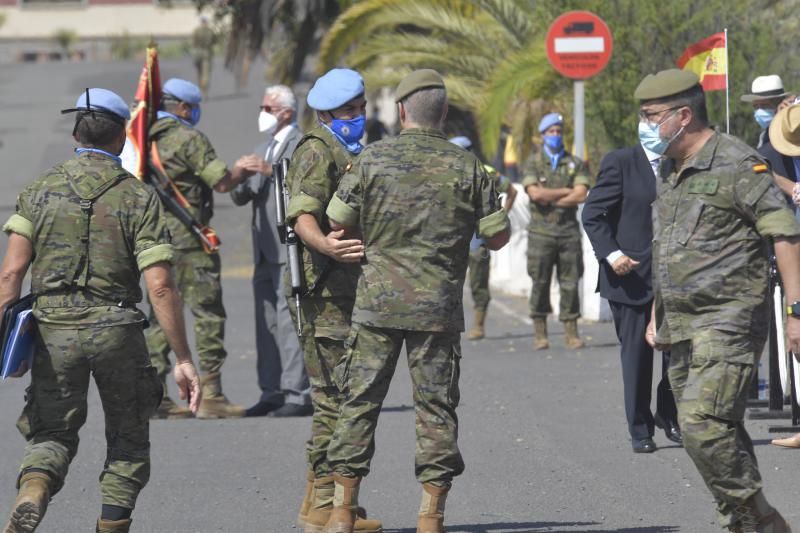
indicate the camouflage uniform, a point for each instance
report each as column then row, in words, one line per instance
column 203, row 40
column 317, row 165
column 93, row 227
column 190, row 160
column 554, row 237
column 710, row 267
column 410, row 290
column 478, row 266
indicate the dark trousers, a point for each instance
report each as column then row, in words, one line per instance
column 636, row 356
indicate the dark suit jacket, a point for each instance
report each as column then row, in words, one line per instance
column 780, row 164
column 260, row 190
column 617, row 216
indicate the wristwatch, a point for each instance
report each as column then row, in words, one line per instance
column 793, row 310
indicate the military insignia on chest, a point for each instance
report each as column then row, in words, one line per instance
column 571, row 168
column 703, row 186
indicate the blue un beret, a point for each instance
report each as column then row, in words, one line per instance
column 461, row 141
column 104, row 100
column 183, row 90
column 550, row 119
column 335, row 88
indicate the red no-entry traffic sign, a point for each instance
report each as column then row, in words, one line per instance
column 579, row 44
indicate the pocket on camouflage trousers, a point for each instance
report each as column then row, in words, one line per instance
column 149, row 392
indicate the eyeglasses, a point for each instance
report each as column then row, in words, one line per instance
column 269, row 108
column 645, row 115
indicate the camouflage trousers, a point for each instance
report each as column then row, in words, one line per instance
column 565, row 254
column 710, row 377
column 202, row 66
column 479, row 262
column 197, row 275
column 56, row 405
column 434, row 360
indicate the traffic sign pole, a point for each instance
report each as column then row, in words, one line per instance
column 580, row 134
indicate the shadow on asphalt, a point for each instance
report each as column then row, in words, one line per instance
column 535, row 527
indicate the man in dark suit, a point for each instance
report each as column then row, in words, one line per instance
column 617, row 219
column 285, row 390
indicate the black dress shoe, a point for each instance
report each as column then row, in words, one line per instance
column 643, row 445
column 293, row 409
column 263, row 408
column 670, row 427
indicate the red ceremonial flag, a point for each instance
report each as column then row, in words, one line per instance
column 709, row 60
column 147, row 100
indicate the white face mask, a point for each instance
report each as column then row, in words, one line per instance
column 267, row 122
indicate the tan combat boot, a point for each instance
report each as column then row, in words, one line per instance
column 476, row 332
column 571, row 335
column 113, row 526
column 31, row 503
column 169, row 409
column 320, row 511
column 214, row 404
column 756, row 515
column 540, row 334
column 431, row 510
column 308, row 499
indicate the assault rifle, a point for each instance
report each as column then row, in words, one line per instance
column 173, row 201
column 288, row 237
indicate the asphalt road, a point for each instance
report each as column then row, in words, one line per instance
column 543, row 433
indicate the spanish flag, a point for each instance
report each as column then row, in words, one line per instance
column 146, row 101
column 708, row 59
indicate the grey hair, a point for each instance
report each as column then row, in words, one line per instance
column 426, row 107
column 284, row 95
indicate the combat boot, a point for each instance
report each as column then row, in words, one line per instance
column 31, row 503
column 476, row 332
column 431, row 510
column 113, row 526
column 169, row 409
column 308, row 500
column 571, row 335
column 320, row 511
column 214, row 404
column 540, row 334
column 756, row 515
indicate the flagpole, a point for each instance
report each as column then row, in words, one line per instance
column 727, row 87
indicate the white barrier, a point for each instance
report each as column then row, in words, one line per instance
column 509, row 273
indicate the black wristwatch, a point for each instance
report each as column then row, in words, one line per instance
column 793, row 310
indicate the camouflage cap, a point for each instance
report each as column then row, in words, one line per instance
column 665, row 83
column 419, row 79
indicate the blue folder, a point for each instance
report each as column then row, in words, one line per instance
column 18, row 336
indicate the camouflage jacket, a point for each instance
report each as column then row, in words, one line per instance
column 93, row 227
column 317, row 165
column 417, row 200
column 710, row 220
column 191, row 162
column 538, row 171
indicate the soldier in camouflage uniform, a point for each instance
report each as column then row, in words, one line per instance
column 556, row 183
column 716, row 207
column 192, row 164
column 479, row 261
column 330, row 265
column 203, row 41
column 409, row 291
column 88, row 228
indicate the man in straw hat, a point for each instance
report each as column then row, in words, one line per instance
column 785, row 132
column 716, row 203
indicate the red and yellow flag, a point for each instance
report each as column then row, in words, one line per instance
column 147, row 100
column 707, row 59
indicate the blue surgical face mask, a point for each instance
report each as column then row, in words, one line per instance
column 651, row 139
column 351, row 130
column 196, row 114
column 764, row 117
column 554, row 142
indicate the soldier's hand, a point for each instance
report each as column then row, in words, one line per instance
column 188, row 383
column 254, row 163
column 793, row 335
column 343, row 251
column 650, row 337
column 623, row 265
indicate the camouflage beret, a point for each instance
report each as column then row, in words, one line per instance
column 665, row 83
column 419, row 79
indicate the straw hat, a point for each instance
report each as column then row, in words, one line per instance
column 784, row 131
column 765, row 88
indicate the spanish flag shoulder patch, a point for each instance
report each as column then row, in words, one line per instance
column 760, row 167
